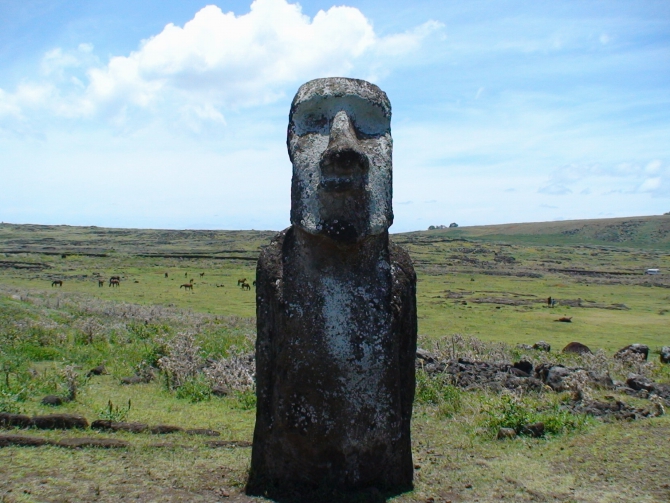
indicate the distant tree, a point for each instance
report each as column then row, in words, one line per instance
column 431, row 227
column 453, row 224
column 668, row 213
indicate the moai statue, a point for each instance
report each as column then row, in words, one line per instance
column 336, row 308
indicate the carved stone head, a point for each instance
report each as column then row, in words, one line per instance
column 339, row 141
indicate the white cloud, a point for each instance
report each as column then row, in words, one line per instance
column 650, row 185
column 215, row 61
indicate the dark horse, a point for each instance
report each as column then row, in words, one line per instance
column 246, row 286
column 101, row 282
column 57, row 282
column 114, row 282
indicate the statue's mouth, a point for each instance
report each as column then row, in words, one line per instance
column 341, row 184
column 343, row 170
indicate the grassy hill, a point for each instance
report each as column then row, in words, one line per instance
column 635, row 232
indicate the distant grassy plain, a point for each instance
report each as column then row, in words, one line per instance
column 489, row 282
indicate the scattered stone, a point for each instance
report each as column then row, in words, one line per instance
column 203, row 432
column 104, row 443
column 665, row 354
column 132, row 380
column 97, row 371
column 518, row 372
column 60, row 422
column 23, row 441
column 52, row 400
column 8, row 420
column 555, row 376
column 638, row 382
column 219, row 390
column 614, row 409
column 107, row 425
column 506, row 433
column 577, row 347
column 542, row 346
column 535, row 430
column 633, row 349
column 524, row 366
column 164, row 429
column 228, row 443
column 424, row 356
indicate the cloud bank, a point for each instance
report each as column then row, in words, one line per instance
column 216, row 61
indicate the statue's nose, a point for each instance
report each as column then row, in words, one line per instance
column 343, row 163
column 342, row 133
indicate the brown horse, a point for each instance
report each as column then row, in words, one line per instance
column 166, row 275
column 114, row 282
column 187, row 286
column 57, row 282
column 241, row 281
column 246, row 286
column 101, row 282
column 117, row 278
column 202, row 274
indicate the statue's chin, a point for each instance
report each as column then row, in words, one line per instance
column 340, row 230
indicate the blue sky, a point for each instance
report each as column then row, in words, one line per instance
column 172, row 114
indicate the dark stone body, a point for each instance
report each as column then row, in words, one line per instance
column 335, row 365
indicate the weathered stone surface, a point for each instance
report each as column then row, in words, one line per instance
column 107, row 425
column 52, row 400
column 633, row 349
column 506, row 433
column 203, row 432
column 576, row 347
column 8, row 420
column 665, row 354
column 524, row 366
column 60, row 422
column 542, row 346
column 164, row 429
column 336, row 308
column 97, row 371
column 22, row 440
column 102, row 443
column 535, row 430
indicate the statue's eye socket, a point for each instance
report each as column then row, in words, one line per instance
column 314, row 124
column 316, row 116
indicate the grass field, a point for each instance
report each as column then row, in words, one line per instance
column 488, row 282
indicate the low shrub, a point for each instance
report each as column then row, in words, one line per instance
column 436, row 390
column 114, row 412
column 195, row 388
column 512, row 411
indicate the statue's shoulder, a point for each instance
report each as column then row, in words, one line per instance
column 401, row 260
column 271, row 255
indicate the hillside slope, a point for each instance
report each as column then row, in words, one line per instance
column 634, row 232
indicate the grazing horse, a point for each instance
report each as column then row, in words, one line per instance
column 57, row 282
column 114, row 282
column 117, row 278
column 246, row 286
column 101, row 282
column 187, row 286
column 241, row 281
